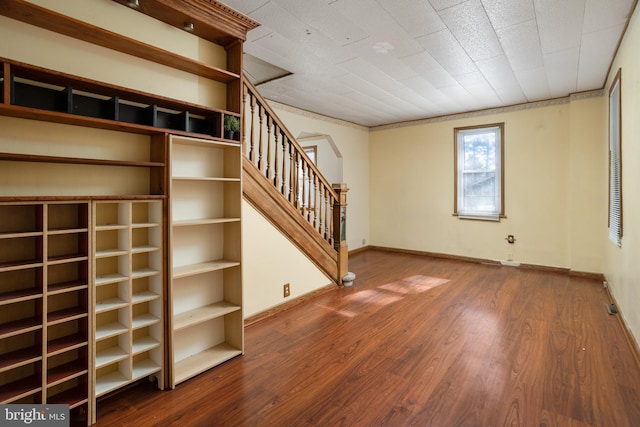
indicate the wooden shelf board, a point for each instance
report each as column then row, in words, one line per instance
column 20, row 388
column 20, row 295
column 144, row 248
column 66, row 343
column 105, row 253
column 203, row 267
column 73, row 397
column 19, row 327
column 76, row 120
column 202, row 178
column 144, row 296
column 110, row 304
column 143, row 320
column 71, row 27
column 140, row 345
column 144, row 272
column 83, row 198
column 110, row 330
column 200, row 362
column 145, row 225
column 144, row 368
column 20, row 234
column 65, row 372
column 109, row 227
column 59, row 231
column 20, row 265
column 109, row 356
column 16, row 157
column 66, row 315
column 21, row 357
column 203, row 221
column 107, row 279
column 69, row 258
column 202, row 314
column 109, row 382
column 63, row 287
column 200, row 142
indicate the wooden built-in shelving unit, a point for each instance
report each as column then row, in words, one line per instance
column 44, row 295
column 123, row 246
column 205, row 285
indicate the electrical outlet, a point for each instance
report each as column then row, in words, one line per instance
column 286, row 290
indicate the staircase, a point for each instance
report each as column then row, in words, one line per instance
column 282, row 183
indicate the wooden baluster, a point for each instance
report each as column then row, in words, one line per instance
column 275, row 153
column 320, row 208
column 245, row 146
column 284, row 163
column 315, row 201
column 302, row 193
column 329, row 224
column 261, row 132
column 252, row 153
column 310, row 193
column 267, row 172
column 293, row 176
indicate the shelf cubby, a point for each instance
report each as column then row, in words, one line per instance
column 72, row 99
column 128, row 293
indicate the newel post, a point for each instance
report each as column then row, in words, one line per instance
column 340, row 230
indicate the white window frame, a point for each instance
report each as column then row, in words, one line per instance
column 615, row 160
column 460, row 205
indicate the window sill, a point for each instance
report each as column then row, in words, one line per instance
column 479, row 217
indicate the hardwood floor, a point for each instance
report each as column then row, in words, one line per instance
column 417, row 341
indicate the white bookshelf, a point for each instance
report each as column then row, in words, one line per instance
column 128, row 293
column 205, row 283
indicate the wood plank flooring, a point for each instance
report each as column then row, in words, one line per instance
column 417, row 341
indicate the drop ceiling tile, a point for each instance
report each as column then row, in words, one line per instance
column 600, row 15
column 559, row 23
column 477, row 86
column 424, row 89
column 390, row 65
column 382, row 29
column 325, row 18
column 533, row 82
column 429, row 69
column 562, row 71
column 506, row 13
column 445, row 49
column 521, row 45
column 416, row 17
column 470, row 25
column 503, row 81
column 596, row 53
column 443, row 4
column 371, row 74
column 274, row 49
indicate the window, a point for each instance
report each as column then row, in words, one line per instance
column 615, row 163
column 479, row 177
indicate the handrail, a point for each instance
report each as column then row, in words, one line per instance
column 280, row 158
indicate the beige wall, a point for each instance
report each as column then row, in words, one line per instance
column 270, row 261
column 621, row 264
column 545, row 150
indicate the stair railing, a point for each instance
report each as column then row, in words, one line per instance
column 280, row 158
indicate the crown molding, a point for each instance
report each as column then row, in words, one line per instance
column 578, row 96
